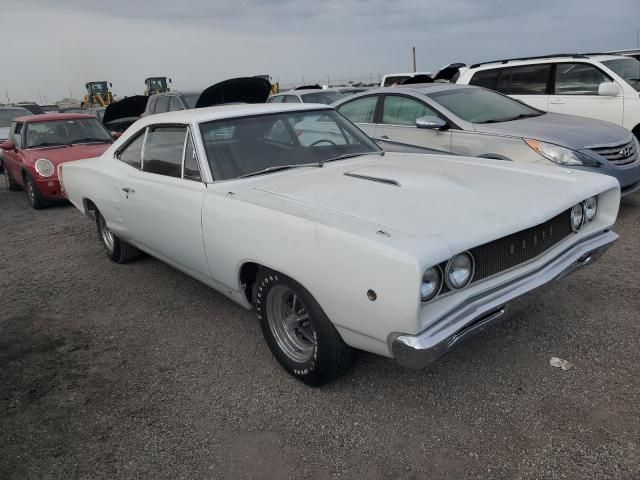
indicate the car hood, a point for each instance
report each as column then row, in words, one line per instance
column 127, row 107
column 566, row 130
column 59, row 155
column 459, row 199
column 4, row 133
column 235, row 90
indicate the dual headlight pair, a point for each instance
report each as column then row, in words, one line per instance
column 44, row 167
column 457, row 274
column 583, row 212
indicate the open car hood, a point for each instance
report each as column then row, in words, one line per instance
column 235, row 90
column 127, row 107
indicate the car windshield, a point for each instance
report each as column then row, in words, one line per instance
column 627, row 68
column 326, row 98
column 191, row 100
column 250, row 145
column 7, row 115
column 478, row 105
column 66, row 132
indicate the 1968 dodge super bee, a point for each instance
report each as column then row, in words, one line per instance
column 293, row 211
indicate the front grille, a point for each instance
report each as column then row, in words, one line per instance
column 520, row 247
column 618, row 155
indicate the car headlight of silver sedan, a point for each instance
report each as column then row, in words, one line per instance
column 44, row 167
column 562, row 155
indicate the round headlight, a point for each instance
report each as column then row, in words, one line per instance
column 431, row 284
column 577, row 217
column 590, row 206
column 44, row 167
column 459, row 271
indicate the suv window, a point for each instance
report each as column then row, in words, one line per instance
column 163, row 150
column 191, row 169
column 175, row 104
column 403, row 110
column 360, row 110
column 132, row 153
column 578, row 79
column 486, row 78
column 522, row 80
column 162, row 104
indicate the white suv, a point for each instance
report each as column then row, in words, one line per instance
column 600, row 86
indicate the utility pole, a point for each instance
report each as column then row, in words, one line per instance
column 414, row 58
column 70, row 94
column 7, row 94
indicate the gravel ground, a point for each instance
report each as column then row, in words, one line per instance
column 138, row 371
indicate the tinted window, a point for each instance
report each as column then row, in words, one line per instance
column 578, row 79
column 132, row 153
column 486, row 78
column 291, row 99
column 190, row 100
column 528, row 80
column 276, row 99
column 17, row 135
column 175, row 104
column 163, row 104
column 627, row 68
column 191, row 170
column 394, row 80
column 404, row 110
column 241, row 146
column 326, row 98
column 163, row 151
column 478, row 105
column 360, row 110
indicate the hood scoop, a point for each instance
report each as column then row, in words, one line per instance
column 386, row 181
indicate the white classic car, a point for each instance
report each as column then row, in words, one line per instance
column 293, row 211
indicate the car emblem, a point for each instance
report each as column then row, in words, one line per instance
column 626, row 152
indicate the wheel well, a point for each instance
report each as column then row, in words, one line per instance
column 248, row 275
column 636, row 131
column 90, row 208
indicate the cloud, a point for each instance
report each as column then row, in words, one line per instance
column 62, row 44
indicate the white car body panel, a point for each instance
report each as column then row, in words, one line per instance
column 337, row 235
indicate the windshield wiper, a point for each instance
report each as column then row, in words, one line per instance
column 91, row 140
column 510, row 119
column 279, row 168
column 49, row 144
column 351, row 155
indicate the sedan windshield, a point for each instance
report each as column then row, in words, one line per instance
column 627, row 68
column 326, row 98
column 251, row 145
column 7, row 115
column 478, row 105
column 66, row 132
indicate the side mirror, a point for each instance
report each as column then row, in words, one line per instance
column 609, row 89
column 431, row 123
column 116, row 135
column 110, row 84
column 170, row 81
column 9, row 146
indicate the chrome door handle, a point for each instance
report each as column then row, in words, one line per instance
column 128, row 190
column 557, row 102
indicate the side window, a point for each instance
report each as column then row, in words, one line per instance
column 360, row 110
column 404, row 111
column 486, row 78
column 163, row 151
column 529, row 80
column 578, row 79
column 17, row 135
column 191, row 169
column 132, row 153
column 291, row 99
column 279, row 133
column 175, row 104
column 151, row 108
column 162, row 105
column 276, row 99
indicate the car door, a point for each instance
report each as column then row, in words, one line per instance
column 12, row 159
column 397, row 124
column 163, row 200
column 575, row 92
column 361, row 111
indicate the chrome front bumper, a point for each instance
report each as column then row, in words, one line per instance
column 418, row 351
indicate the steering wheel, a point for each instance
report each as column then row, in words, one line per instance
column 323, row 140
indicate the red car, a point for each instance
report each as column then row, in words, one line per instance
column 38, row 144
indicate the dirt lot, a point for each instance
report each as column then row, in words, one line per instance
column 138, row 371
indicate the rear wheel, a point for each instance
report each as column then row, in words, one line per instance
column 116, row 249
column 298, row 332
column 33, row 193
column 11, row 183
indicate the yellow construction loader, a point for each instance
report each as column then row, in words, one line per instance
column 98, row 95
column 156, row 85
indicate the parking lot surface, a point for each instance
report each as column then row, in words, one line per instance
column 138, row 371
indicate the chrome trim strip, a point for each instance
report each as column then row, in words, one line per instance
column 386, row 181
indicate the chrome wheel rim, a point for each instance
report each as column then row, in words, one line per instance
column 105, row 233
column 290, row 324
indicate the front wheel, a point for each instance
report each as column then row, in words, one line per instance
column 298, row 332
column 33, row 192
column 116, row 249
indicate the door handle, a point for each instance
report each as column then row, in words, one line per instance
column 128, row 190
column 556, row 101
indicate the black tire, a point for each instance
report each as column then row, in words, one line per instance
column 11, row 183
column 117, row 249
column 330, row 357
column 33, row 193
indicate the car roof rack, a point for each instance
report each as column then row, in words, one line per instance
column 539, row 57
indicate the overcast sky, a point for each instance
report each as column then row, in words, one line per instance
column 49, row 46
